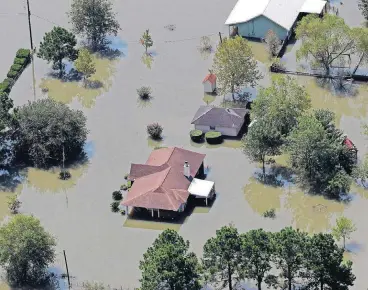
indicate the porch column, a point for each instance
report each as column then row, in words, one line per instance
column 206, row 201
column 152, row 212
column 127, row 210
column 158, row 212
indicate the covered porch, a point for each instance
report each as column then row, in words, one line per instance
column 202, row 189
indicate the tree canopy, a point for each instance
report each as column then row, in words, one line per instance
column 343, row 229
column 324, row 40
column 363, row 6
column 26, row 250
column 44, row 129
column 94, row 19
column 57, row 45
column 146, row 40
column 235, row 66
column 281, row 103
column 85, row 64
column 221, row 256
column 168, row 264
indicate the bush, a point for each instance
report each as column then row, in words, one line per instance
column 123, row 212
column 64, row 175
column 196, row 136
column 14, row 204
column 6, row 85
column 23, row 53
column 144, row 92
column 213, row 137
column 16, row 67
column 129, row 184
column 271, row 213
column 20, row 61
column 123, row 187
column 12, row 74
column 115, row 206
column 116, row 195
column 126, row 176
column 155, row 131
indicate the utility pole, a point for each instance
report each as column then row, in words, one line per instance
column 32, row 49
column 67, row 270
column 220, row 37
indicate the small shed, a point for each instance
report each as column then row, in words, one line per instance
column 202, row 189
column 209, row 83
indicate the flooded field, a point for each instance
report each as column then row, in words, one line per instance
column 260, row 52
column 67, row 91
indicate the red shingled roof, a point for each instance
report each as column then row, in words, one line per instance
column 349, row 143
column 211, row 78
column 160, row 183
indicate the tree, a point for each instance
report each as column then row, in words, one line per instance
column 318, row 156
column 324, row 264
column 257, row 249
column 26, row 250
column 273, row 43
column 282, row 103
column 47, row 131
column 85, row 64
column 146, row 40
column 361, row 172
column 235, row 66
column 363, row 6
column 261, row 140
column 324, row 40
column 221, row 256
column 95, row 20
column 289, row 254
column 6, row 117
column 57, row 45
column 168, row 264
column 343, row 229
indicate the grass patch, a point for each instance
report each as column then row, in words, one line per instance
column 67, row 91
column 260, row 51
column 208, row 99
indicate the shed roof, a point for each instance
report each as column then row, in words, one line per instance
column 221, row 117
column 282, row 12
column 160, row 183
column 211, row 78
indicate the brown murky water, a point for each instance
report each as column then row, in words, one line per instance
column 48, row 181
column 67, row 91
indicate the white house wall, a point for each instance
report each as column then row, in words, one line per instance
column 208, row 88
column 224, row 131
column 259, row 26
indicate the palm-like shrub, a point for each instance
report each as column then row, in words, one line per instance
column 154, row 131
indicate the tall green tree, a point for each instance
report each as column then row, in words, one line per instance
column 257, row 249
column 146, row 40
column 45, row 129
column 281, row 103
column 289, row 254
column 343, row 229
column 324, row 264
column 261, row 140
column 221, row 256
column 94, row 19
column 361, row 172
column 6, row 104
column 168, row 264
column 57, row 45
column 360, row 34
column 324, row 40
column 26, row 250
column 85, row 64
column 235, row 66
column 363, row 6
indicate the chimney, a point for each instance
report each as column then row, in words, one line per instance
column 186, row 169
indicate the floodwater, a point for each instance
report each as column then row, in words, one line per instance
column 66, row 91
column 260, row 51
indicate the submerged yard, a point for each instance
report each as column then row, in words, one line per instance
column 107, row 247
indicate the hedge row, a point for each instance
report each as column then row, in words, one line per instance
column 196, row 136
column 213, row 137
column 21, row 60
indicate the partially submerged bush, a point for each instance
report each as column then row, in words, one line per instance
column 16, row 67
column 196, row 136
column 123, row 212
column 12, row 74
column 155, row 131
column 116, row 195
column 123, row 187
column 205, row 44
column 144, row 92
column 213, row 137
column 126, row 176
column 115, row 206
column 14, row 204
column 271, row 213
column 6, row 85
column 129, row 184
column 20, row 61
column 23, row 53
column 64, row 175
column 273, row 43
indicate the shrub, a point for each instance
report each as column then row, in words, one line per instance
column 205, row 44
column 12, row 74
column 123, row 212
column 16, row 67
column 196, row 135
column 116, row 195
column 14, row 204
column 123, row 187
column 213, row 137
column 126, row 176
column 271, row 213
column 6, row 85
column 155, row 131
column 115, row 206
column 23, row 53
column 20, row 61
column 129, row 184
column 144, row 92
column 64, row 175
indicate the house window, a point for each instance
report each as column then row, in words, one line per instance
column 212, row 128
